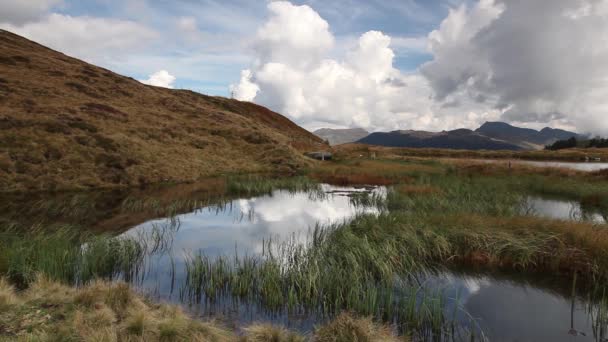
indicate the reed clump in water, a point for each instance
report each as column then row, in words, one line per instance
column 335, row 271
column 263, row 185
column 67, row 255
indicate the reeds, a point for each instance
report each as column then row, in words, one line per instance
column 263, row 185
column 335, row 270
column 67, row 255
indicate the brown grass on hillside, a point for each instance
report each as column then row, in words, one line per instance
column 66, row 124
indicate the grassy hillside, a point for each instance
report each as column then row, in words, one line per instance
column 68, row 124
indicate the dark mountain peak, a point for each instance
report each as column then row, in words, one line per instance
column 504, row 128
column 461, row 131
column 525, row 137
column 495, row 124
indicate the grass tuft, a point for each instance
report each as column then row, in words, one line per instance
column 270, row 333
column 346, row 328
column 7, row 295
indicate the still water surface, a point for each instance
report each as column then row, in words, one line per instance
column 562, row 210
column 579, row 166
column 505, row 308
column 511, row 308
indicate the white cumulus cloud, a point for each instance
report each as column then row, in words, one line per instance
column 294, row 35
column 294, row 74
column 160, row 78
column 245, row 90
column 540, row 62
column 531, row 63
column 21, row 11
column 90, row 38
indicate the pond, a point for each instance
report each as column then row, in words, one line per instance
column 240, row 228
column 499, row 307
column 242, row 225
column 509, row 307
column 503, row 308
column 579, row 166
column 562, row 210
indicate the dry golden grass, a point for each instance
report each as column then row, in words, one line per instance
column 7, row 294
column 356, row 150
column 413, row 189
column 567, row 246
column 270, row 333
column 346, row 328
column 67, row 124
column 369, row 172
column 108, row 312
column 99, row 312
column 477, row 167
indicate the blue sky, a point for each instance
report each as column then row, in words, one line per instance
column 238, row 20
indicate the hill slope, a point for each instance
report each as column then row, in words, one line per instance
column 341, row 136
column 68, row 124
column 457, row 139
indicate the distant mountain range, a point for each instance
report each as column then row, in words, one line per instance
column 341, row 136
column 490, row 136
column 525, row 137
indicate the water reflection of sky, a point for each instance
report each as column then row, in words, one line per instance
column 240, row 227
column 582, row 166
column 510, row 311
column 588, row 166
column 505, row 310
column 561, row 210
column 244, row 224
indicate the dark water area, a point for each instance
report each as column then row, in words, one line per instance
column 514, row 307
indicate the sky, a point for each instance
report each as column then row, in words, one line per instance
column 376, row 64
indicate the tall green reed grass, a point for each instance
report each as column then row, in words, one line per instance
column 67, row 255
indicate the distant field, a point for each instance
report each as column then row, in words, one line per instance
column 575, row 154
